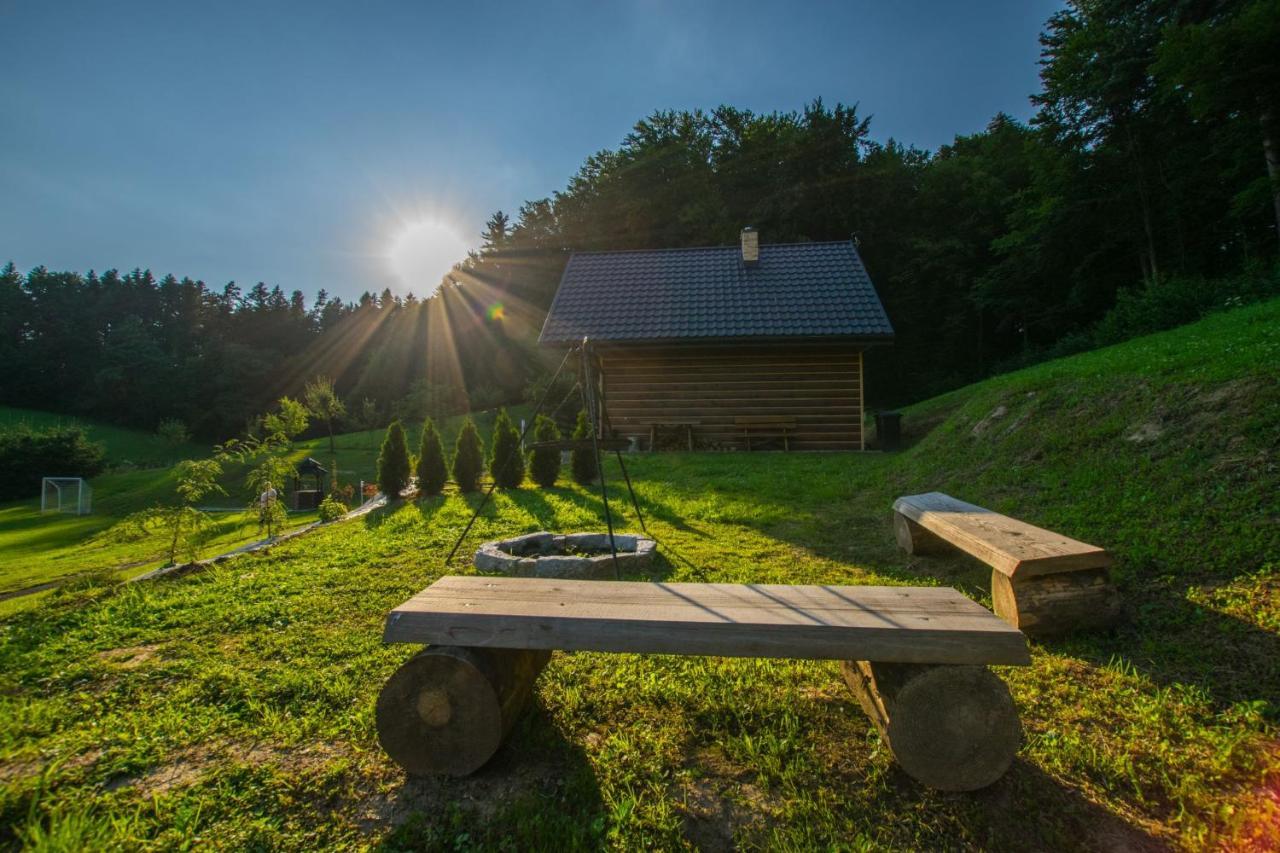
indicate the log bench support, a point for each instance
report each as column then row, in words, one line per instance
column 951, row 725
column 449, row 708
column 954, row 728
column 1042, row 583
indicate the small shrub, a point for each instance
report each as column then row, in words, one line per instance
column 27, row 454
column 544, row 463
column 584, row 466
column 506, row 465
column 393, row 462
column 432, row 473
column 468, row 457
column 331, row 509
column 486, row 397
column 173, row 432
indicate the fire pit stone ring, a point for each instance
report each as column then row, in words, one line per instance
column 572, row 555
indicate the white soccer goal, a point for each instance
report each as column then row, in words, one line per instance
column 66, row 494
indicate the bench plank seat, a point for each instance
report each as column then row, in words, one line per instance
column 766, row 426
column 935, row 625
column 1012, row 547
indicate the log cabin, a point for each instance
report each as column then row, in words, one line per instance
column 745, row 346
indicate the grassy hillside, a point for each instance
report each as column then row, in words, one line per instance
column 236, row 706
column 124, row 446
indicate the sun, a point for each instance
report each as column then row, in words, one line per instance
column 423, row 251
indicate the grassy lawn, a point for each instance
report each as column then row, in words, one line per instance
column 37, row 548
column 235, row 707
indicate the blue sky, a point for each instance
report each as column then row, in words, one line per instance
column 293, row 142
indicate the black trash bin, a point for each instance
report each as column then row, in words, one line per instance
column 889, row 430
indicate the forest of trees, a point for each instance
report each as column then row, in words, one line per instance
column 1151, row 167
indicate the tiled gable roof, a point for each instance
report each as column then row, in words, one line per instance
column 795, row 290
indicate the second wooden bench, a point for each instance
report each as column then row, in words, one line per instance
column 1042, row 582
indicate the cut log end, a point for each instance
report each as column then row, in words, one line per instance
column 448, row 709
column 954, row 728
column 1049, row 605
column 915, row 540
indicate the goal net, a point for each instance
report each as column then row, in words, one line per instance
column 66, row 494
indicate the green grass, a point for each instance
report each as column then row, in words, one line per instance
column 38, row 548
column 124, row 446
column 235, row 707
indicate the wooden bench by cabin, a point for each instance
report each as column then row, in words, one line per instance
column 1042, row 583
column 766, row 426
column 685, row 425
column 915, row 657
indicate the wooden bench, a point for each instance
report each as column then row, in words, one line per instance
column 766, row 426
column 684, row 424
column 1042, row 583
column 915, row 657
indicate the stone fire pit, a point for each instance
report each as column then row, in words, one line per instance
column 572, row 555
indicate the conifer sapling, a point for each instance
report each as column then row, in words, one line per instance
column 544, row 462
column 506, row 464
column 584, row 466
column 432, row 472
column 468, row 457
column 393, row 462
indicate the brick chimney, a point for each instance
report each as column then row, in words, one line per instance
column 750, row 246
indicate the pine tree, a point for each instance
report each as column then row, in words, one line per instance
column 432, row 472
column 544, row 462
column 506, row 465
column 585, row 470
column 468, row 457
column 393, row 462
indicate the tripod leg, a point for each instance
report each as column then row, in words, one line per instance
column 634, row 503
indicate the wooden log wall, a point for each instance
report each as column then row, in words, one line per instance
column 819, row 385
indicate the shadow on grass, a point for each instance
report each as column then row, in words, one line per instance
column 1164, row 637
column 1167, row 638
column 538, row 793
column 1174, row 641
column 1065, row 819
